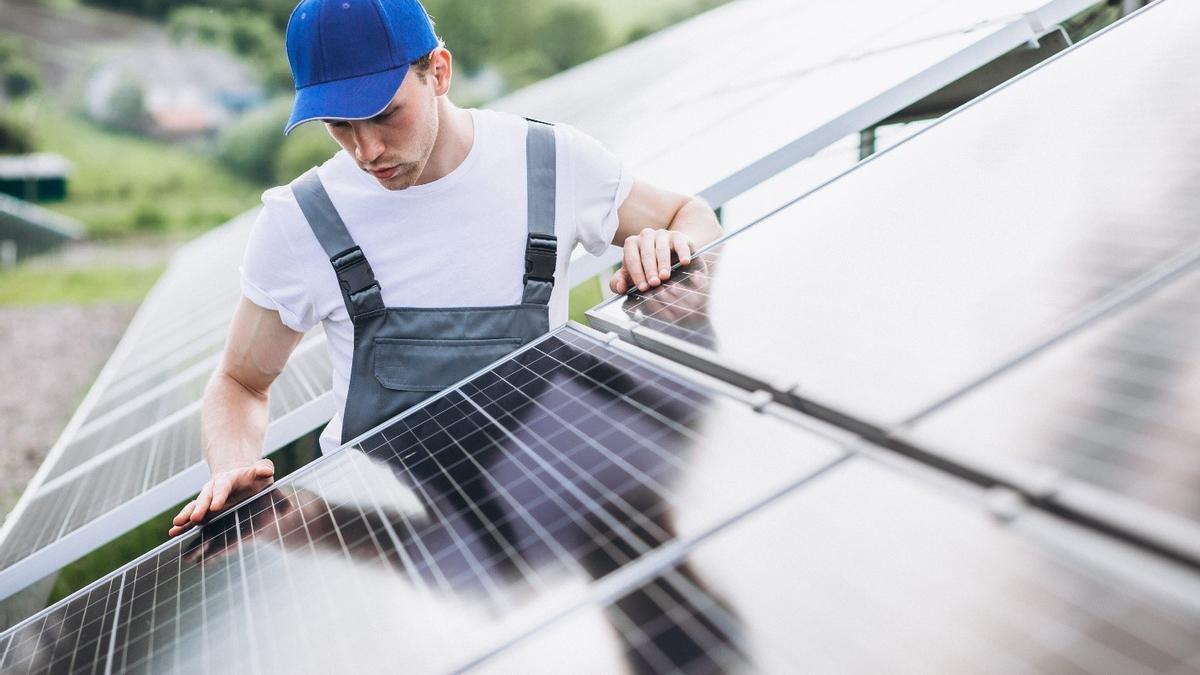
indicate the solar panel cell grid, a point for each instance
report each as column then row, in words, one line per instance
column 124, row 390
column 92, row 441
column 486, row 508
column 872, row 570
column 74, row 638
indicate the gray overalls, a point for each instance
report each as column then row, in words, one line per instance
column 403, row 355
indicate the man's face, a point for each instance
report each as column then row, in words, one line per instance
column 394, row 146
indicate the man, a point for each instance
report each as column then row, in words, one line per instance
column 434, row 243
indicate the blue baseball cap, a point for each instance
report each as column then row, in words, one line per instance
column 349, row 57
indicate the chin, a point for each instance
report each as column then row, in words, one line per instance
column 400, row 181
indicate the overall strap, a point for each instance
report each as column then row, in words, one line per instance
column 360, row 290
column 541, row 246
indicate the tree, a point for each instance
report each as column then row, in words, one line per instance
column 571, row 34
column 21, row 79
column 126, row 108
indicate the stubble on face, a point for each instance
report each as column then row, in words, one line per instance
column 421, row 147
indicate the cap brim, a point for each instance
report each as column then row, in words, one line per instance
column 354, row 98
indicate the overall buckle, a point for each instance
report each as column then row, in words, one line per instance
column 354, row 273
column 541, row 257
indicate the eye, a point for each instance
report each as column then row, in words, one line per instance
column 337, row 124
column 384, row 115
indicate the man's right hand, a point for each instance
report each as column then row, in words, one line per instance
column 224, row 488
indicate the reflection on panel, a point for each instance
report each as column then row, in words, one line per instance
column 913, row 275
column 146, row 460
column 698, row 114
column 867, row 570
column 1114, row 407
column 493, row 506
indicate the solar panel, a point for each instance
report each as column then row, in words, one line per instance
column 1103, row 422
column 145, row 473
column 493, row 505
column 920, row 272
column 133, row 447
column 698, row 112
column 180, row 394
column 872, row 569
column 182, row 321
column 698, row 122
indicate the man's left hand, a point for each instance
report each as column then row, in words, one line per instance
column 647, row 261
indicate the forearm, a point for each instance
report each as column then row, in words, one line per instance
column 233, row 423
column 696, row 220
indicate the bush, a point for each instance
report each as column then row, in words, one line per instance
column 525, row 68
column 148, row 216
column 305, row 148
column 572, row 34
column 21, row 79
column 16, row 138
column 250, row 147
column 125, row 109
column 251, row 35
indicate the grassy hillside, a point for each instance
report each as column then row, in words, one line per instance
column 124, row 184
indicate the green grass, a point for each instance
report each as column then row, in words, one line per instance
column 122, row 184
column 26, row 285
column 584, row 297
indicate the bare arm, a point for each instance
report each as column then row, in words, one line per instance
column 235, row 414
column 652, row 224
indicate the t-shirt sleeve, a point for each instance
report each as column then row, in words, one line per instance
column 269, row 272
column 600, row 183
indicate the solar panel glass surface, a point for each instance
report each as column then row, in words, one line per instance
column 871, row 569
column 684, row 111
column 1111, row 408
column 927, row 267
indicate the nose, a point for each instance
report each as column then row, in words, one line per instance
column 368, row 144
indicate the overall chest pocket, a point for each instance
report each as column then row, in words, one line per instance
column 405, row 364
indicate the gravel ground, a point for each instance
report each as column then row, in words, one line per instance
column 49, row 356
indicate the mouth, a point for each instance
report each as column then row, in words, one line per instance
column 385, row 173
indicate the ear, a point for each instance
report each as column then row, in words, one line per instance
column 441, row 69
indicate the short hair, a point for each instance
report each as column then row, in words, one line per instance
column 421, row 65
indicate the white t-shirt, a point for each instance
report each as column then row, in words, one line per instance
column 456, row 242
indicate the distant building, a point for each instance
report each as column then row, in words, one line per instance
column 168, row 92
column 39, row 177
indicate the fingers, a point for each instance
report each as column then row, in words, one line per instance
column 182, row 522
column 633, row 263
column 683, row 248
column 619, row 283
column 264, row 468
column 185, row 514
column 217, row 493
column 222, row 486
column 648, row 243
column 202, row 502
column 662, row 250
